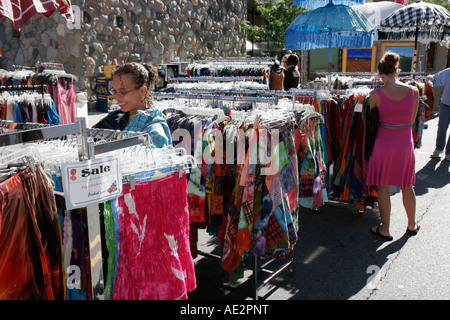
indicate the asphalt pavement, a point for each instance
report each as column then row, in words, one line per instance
column 337, row 258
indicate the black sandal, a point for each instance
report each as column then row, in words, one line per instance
column 412, row 232
column 378, row 233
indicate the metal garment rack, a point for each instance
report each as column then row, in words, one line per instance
column 33, row 87
column 217, row 78
column 255, row 267
column 160, row 95
column 90, row 150
column 268, row 96
column 86, row 150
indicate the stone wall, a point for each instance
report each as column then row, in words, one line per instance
column 115, row 31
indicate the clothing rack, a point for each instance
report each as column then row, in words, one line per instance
column 237, row 59
column 218, row 78
column 34, row 87
column 40, row 132
column 160, row 95
column 258, row 92
column 231, row 61
column 255, row 266
column 86, row 150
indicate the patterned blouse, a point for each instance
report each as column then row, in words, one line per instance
column 149, row 121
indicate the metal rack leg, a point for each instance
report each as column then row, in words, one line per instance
column 255, row 274
column 95, row 252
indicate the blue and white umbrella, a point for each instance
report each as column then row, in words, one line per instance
column 332, row 26
column 421, row 19
column 417, row 19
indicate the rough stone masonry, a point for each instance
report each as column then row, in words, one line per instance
column 109, row 32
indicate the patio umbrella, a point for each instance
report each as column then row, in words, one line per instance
column 377, row 11
column 313, row 4
column 20, row 11
column 420, row 19
column 332, row 26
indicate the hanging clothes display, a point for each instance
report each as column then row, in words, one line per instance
column 59, row 88
column 246, row 190
column 30, row 226
column 155, row 260
column 146, row 232
column 254, row 163
column 59, row 237
column 28, row 107
column 312, row 168
column 263, row 213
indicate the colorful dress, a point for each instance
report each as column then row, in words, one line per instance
column 392, row 161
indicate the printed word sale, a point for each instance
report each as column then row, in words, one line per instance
column 94, row 171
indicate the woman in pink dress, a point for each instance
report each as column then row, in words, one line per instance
column 392, row 160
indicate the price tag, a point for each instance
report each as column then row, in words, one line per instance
column 91, row 181
column 359, row 107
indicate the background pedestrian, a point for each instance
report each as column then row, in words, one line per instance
column 392, row 161
column 291, row 73
column 442, row 78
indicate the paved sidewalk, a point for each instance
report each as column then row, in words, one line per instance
column 337, row 258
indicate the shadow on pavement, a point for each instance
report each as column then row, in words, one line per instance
column 434, row 175
column 334, row 259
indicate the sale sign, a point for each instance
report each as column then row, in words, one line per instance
column 91, row 181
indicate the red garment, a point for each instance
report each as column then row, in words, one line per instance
column 30, row 239
column 155, row 261
column 429, row 94
column 276, row 80
column 20, row 11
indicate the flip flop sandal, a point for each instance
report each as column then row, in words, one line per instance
column 377, row 233
column 413, row 232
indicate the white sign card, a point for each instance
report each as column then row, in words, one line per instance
column 91, row 181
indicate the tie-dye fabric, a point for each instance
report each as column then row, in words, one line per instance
column 155, row 261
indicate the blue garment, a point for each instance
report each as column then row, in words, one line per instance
column 151, row 121
column 444, row 121
column 52, row 116
column 17, row 113
column 442, row 78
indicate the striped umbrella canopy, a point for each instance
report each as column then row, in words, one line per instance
column 313, row 4
column 427, row 20
column 20, row 11
column 420, row 19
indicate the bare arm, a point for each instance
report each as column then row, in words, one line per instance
column 374, row 99
column 416, row 103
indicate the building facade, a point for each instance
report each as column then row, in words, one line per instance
column 110, row 32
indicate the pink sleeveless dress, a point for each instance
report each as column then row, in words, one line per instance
column 393, row 161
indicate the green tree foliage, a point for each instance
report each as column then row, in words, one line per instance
column 444, row 3
column 278, row 14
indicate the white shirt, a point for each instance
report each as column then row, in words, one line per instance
column 442, row 78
